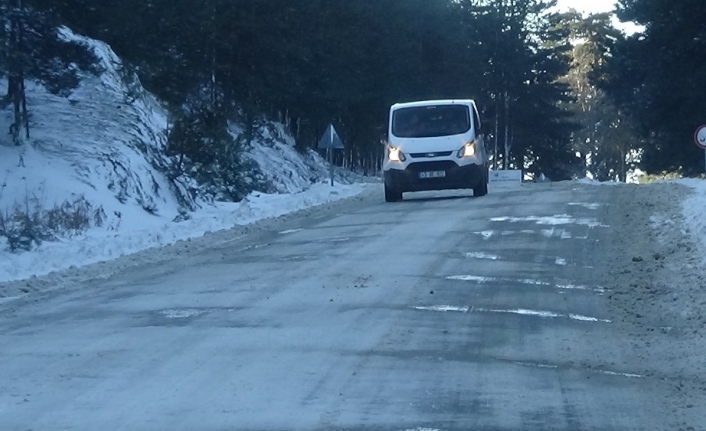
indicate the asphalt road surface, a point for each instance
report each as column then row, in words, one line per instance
column 441, row 312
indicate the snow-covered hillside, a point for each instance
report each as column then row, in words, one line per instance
column 98, row 142
column 106, row 143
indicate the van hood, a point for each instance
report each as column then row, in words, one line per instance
column 428, row 145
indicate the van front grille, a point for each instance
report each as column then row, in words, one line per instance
column 431, row 154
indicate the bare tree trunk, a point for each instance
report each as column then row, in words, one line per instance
column 506, row 160
column 25, row 114
column 497, row 131
column 15, row 82
column 16, row 126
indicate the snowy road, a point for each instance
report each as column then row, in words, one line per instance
column 448, row 313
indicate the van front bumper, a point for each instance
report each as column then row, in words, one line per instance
column 455, row 177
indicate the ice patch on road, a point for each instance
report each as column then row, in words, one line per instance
column 481, row 255
column 443, row 308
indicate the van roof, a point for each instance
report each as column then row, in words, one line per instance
column 433, row 102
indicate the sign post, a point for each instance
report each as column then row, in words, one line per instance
column 330, row 141
column 700, row 139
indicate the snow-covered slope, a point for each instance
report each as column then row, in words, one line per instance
column 285, row 169
column 106, row 143
column 98, row 143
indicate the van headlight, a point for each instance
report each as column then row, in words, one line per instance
column 468, row 150
column 395, row 155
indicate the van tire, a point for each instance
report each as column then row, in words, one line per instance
column 391, row 195
column 482, row 188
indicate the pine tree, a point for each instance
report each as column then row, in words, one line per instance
column 657, row 77
column 35, row 49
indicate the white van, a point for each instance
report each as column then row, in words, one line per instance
column 434, row 145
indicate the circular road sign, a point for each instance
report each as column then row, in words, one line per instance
column 700, row 137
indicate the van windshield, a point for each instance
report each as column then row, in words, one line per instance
column 431, row 121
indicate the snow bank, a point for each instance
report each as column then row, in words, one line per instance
column 99, row 245
column 592, row 182
column 693, row 210
column 106, row 143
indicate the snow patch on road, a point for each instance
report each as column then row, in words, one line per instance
column 587, row 205
column 288, row 231
column 486, row 234
column 615, row 373
column 528, row 281
column 481, row 255
column 556, row 233
column 181, row 314
column 543, row 314
column 555, row 220
column 443, row 308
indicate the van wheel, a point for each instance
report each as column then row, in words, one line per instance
column 391, row 195
column 482, row 188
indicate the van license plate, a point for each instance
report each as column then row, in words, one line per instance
column 434, row 174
